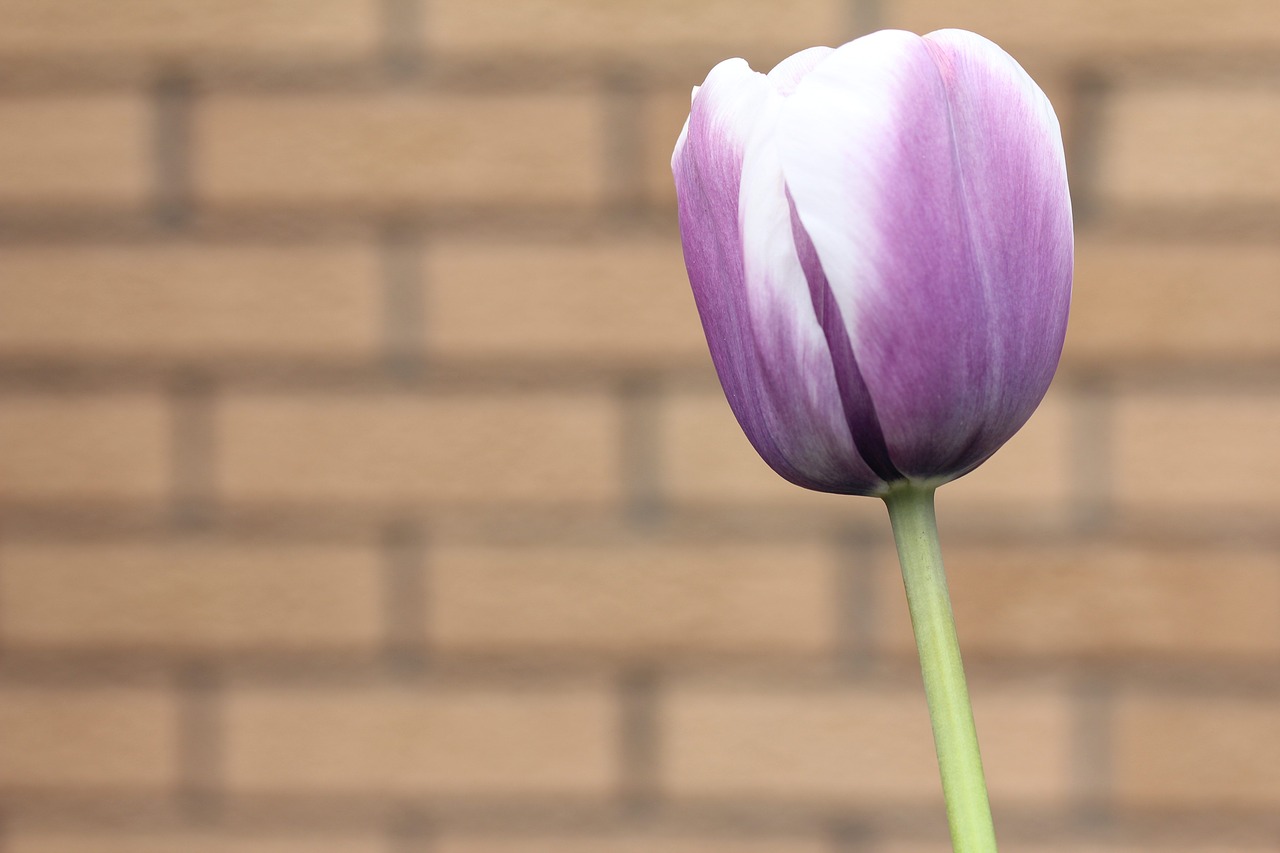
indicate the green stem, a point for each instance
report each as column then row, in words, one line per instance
column 915, row 529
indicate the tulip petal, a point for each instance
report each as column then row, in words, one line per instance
column 929, row 175
column 707, row 165
column 772, row 378
column 788, row 73
column 800, row 383
column 1019, row 216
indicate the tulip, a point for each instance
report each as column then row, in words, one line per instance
column 880, row 246
column 879, row 241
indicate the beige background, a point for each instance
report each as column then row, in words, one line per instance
column 365, row 488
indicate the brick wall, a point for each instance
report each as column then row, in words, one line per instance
column 365, row 488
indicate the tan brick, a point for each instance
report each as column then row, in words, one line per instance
column 1174, row 301
column 105, row 738
column 177, row 29
column 1190, row 144
column 644, row 30
column 647, row 843
column 188, row 300
column 619, row 300
column 1197, row 451
column 32, row 840
column 1211, row 752
column 1100, row 601
column 634, row 600
column 69, row 149
column 444, row 741
column 1085, row 26
column 842, row 745
column 389, row 448
column 389, row 150
column 95, row 446
column 178, row 596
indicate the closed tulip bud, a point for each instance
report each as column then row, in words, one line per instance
column 879, row 241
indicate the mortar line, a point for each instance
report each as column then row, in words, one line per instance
column 171, row 150
column 406, row 587
column 200, row 743
column 1091, row 487
column 1092, row 767
column 193, row 450
column 1083, row 142
column 844, row 836
column 410, row 832
column 622, row 112
column 641, row 452
column 858, row 616
column 403, row 302
column 639, row 742
column 401, row 44
column 866, row 17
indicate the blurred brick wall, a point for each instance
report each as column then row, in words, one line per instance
column 364, row 486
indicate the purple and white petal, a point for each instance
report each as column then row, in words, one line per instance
column 801, row 398
column 883, row 159
column 788, row 73
column 707, row 165
column 1010, row 156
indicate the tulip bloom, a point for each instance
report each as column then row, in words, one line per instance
column 879, row 241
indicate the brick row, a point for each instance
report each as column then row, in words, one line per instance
column 189, row 841
column 327, row 447
column 114, row 841
column 179, row 29
column 189, row 596
column 819, row 744
column 648, row 600
column 180, row 300
column 389, row 151
column 222, row 597
column 629, row 601
column 674, row 842
column 41, row 841
column 494, row 741
column 380, row 152
column 468, row 449
column 634, row 31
